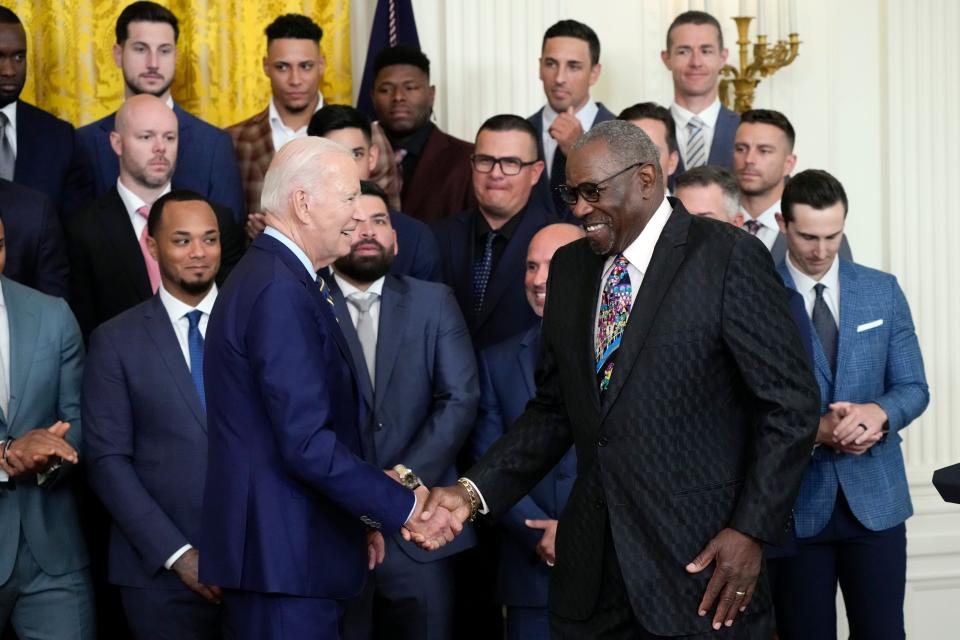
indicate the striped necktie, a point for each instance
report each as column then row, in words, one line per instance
column 696, row 145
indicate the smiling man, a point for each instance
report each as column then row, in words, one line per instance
column 694, row 56
column 569, row 66
column 146, row 53
column 651, row 349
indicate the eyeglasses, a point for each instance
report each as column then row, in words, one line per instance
column 510, row 166
column 590, row 191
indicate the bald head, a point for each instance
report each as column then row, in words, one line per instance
column 145, row 139
column 539, row 254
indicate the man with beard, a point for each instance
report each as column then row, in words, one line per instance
column 418, row 379
column 763, row 159
column 37, row 149
column 666, row 338
column 146, row 53
column 145, row 429
column 111, row 267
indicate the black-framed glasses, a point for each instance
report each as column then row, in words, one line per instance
column 590, row 191
column 510, row 166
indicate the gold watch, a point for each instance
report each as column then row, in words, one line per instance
column 407, row 477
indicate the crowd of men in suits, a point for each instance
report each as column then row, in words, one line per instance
column 400, row 334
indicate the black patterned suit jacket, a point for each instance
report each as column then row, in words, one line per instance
column 708, row 422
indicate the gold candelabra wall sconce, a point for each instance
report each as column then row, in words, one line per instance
column 767, row 60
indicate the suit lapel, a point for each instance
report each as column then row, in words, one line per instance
column 266, row 135
column 584, row 302
column 668, row 255
column 819, row 357
column 420, row 184
column 462, row 276
column 393, row 320
column 527, row 359
column 156, row 321
column 353, row 343
column 24, row 329
column 850, row 304
column 116, row 227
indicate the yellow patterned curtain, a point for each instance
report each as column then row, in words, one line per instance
column 219, row 72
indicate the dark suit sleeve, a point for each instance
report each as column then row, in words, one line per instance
column 455, row 396
column 285, row 343
column 232, row 243
column 81, row 277
column 78, row 185
column 761, row 336
column 426, row 263
column 52, row 272
column 490, row 427
column 109, row 445
column 68, row 387
column 226, row 186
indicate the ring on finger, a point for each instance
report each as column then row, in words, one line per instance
column 862, row 426
column 740, row 594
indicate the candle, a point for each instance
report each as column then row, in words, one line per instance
column 793, row 16
column 761, row 18
column 743, row 8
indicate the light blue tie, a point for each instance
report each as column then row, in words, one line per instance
column 195, row 345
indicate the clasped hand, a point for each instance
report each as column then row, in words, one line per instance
column 439, row 516
column 852, row 428
column 37, row 450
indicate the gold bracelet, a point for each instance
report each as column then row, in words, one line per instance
column 472, row 495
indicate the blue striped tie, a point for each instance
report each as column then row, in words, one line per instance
column 195, row 345
column 696, row 147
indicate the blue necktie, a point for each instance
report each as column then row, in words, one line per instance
column 195, row 345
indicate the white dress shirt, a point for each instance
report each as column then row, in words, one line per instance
column 638, row 254
column 177, row 311
column 831, row 292
column 769, row 228
column 376, row 287
column 11, row 129
column 4, row 365
column 132, row 202
column 586, row 116
column 682, row 116
column 282, row 134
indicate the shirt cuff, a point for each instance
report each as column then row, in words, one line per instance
column 413, row 509
column 176, row 556
column 483, row 510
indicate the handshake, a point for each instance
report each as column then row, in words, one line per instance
column 439, row 515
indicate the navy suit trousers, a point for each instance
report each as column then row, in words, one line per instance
column 871, row 567
column 268, row 616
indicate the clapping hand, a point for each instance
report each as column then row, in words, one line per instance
column 38, row 450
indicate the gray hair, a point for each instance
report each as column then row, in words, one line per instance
column 298, row 165
column 625, row 141
column 707, row 175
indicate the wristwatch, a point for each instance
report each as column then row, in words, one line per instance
column 407, row 477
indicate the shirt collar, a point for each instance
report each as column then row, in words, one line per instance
column 347, row 288
column 291, row 245
column 640, row 250
column 275, row 118
column 586, row 115
column 131, row 200
column 177, row 308
column 415, row 143
column 11, row 111
column 708, row 115
column 805, row 284
column 766, row 219
column 506, row 230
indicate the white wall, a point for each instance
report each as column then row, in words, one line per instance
column 873, row 96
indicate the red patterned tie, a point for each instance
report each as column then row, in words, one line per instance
column 153, row 269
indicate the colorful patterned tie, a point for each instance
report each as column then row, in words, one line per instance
column 153, row 269
column 615, row 305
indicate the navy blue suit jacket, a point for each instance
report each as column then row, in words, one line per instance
column 425, row 401
column 507, row 384
column 145, row 443
column 721, row 149
column 542, row 190
column 417, row 252
column 36, row 251
column 505, row 310
column 205, row 161
column 287, row 497
column 49, row 159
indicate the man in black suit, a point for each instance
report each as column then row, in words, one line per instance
column 111, row 268
column 483, row 249
column 36, row 253
column 569, row 66
column 691, row 434
column 37, row 149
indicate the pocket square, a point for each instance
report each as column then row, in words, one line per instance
column 866, row 326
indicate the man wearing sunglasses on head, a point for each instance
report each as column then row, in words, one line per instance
column 483, row 249
column 669, row 359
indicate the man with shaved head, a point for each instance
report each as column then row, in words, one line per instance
column 291, row 512
column 668, row 357
column 528, row 530
column 111, row 268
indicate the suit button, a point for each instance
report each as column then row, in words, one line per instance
column 602, row 442
column 598, row 504
column 379, row 426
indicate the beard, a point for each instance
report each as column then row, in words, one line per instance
column 365, row 269
column 141, row 177
column 135, row 90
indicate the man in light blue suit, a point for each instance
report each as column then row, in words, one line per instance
column 853, row 501
column 417, row 376
column 146, row 53
column 145, row 428
column 694, row 56
column 45, row 589
column 507, row 382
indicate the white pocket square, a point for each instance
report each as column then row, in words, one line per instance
column 866, row 326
